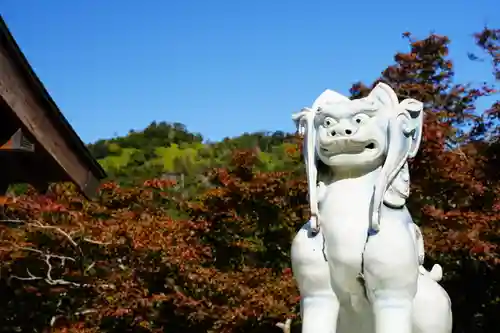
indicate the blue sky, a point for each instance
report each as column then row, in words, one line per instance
column 222, row 67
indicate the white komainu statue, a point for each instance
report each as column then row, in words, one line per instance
column 358, row 261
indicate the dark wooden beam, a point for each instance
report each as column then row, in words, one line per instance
column 22, row 101
column 46, row 148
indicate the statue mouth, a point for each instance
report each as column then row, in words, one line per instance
column 347, row 147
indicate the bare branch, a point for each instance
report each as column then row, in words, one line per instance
column 88, row 240
column 48, row 258
column 38, row 224
column 287, row 326
column 48, row 277
column 85, row 312
column 79, row 313
column 89, row 267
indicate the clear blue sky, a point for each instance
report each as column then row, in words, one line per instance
column 222, row 67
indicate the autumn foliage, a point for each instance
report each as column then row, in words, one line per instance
column 123, row 264
column 148, row 259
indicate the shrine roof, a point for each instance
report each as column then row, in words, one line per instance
column 37, row 143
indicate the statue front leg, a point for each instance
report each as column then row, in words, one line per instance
column 319, row 313
column 319, row 304
column 391, row 275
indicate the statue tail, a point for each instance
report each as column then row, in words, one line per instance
column 436, row 273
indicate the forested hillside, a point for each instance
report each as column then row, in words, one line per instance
column 212, row 256
column 163, row 148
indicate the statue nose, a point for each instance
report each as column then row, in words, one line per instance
column 343, row 128
column 343, row 131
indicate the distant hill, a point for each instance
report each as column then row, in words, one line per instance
column 169, row 147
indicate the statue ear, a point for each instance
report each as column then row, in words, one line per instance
column 305, row 125
column 399, row 189
column 305, row 122
column 328, row 97
column 384, row 95
column 404, row 136
column 415, row 110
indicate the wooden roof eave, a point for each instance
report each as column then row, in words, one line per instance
column 26, row 96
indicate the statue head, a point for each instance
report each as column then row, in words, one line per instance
column 350, row 134
column 376, row 131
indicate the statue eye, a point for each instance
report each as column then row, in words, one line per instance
column 328, row 122
column 360, row 118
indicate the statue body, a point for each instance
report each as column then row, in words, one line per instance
column 358, row 261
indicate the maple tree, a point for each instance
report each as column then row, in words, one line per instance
column 122, row 263
column 455, row 195
column 146, row 259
